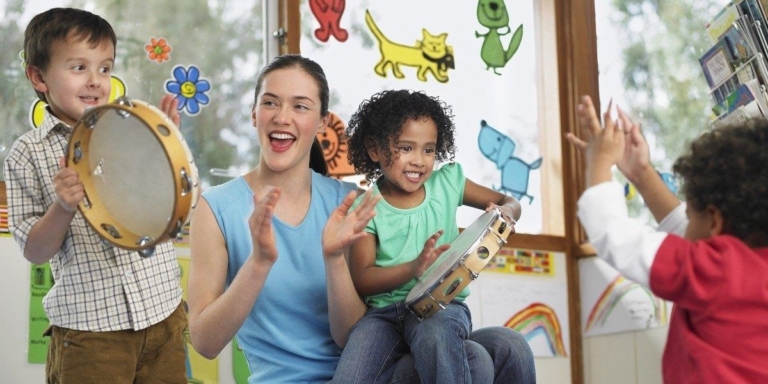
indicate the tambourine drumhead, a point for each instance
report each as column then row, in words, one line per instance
column 470, row 252
column 138, row 173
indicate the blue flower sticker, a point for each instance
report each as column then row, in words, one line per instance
column 189, row 88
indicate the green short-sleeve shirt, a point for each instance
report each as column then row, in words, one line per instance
column 401, row 233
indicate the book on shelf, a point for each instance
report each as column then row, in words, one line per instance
column 722, row 21
column 738, row 116
column 717, row 64
column 748, row 96
column 749, row 15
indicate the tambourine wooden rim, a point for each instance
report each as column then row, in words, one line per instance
column 490, row 233
column 179, row 160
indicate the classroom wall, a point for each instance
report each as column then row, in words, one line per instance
column 626, row 358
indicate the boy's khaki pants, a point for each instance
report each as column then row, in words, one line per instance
column 152, row 355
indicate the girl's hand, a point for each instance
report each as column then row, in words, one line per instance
column 345, row 227
column 260, row 223
column 428, row 255
column 506, row 213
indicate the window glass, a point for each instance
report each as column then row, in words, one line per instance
column 487, row 65
column 648, row 58
column 219, row 40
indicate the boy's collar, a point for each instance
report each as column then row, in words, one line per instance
column 51, row 122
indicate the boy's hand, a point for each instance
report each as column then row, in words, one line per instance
column 169, row 105
column 636, row 159
column 260, row 223
column 69, row 190
column 345, row 227
column 603, row 147
column 428, row 255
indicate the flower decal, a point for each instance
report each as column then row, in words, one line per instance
column 189, row 88
column 158, row 50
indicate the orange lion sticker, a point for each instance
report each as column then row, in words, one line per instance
column 334, row 143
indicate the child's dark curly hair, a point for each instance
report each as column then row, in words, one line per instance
column 728, row 169
column 382, row 116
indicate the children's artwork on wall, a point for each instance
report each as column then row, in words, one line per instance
column 611, row 303
column 328, row 13
column 158, row 50
column 37, row 110
column 532, row 301
column 493, row 14
column 189, row 88
column 430, row 54
column 500, row 149
column 334, row 143
column 539, row 320
column 41, row 281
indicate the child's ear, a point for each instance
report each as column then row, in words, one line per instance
column 373, row 152
column 717, row 223
column 35, row 76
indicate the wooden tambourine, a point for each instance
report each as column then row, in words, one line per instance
column 140, row 180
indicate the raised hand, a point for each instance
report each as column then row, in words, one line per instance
column 169, row 105
column 428, row 255
column 260, row 224
column 345, row 227
column 69, row 190
column 636, row 158
column 603, row 146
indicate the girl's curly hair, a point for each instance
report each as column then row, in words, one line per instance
column 382, row 116
column 728, row 168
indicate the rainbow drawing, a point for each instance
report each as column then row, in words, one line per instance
column 611, row 297
column 539, row 319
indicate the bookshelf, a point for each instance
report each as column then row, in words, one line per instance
column 735, row 65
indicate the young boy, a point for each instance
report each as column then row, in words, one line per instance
column 716, row 274
column 115, row 316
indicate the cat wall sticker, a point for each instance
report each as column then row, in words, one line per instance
column 493, row 15
column 430, row 54
column 515, row 172
column 328, row 13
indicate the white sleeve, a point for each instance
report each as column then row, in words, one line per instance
column 675, row 222
column 625, row 243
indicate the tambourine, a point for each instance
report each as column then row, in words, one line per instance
column 470, row 252
column 139, row 177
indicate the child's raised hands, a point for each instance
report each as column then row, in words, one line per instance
column 428, row 255
column 603, row 146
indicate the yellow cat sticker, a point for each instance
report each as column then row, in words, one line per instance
column 430, row 54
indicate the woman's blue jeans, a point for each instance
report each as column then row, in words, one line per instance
column 390, row 345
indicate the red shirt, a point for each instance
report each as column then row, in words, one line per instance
column 718, row 332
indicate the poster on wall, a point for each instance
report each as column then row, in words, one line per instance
column 482, row 63
column 199, row 369
column 611, row 303
column 525, row 290
column 41, row 281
